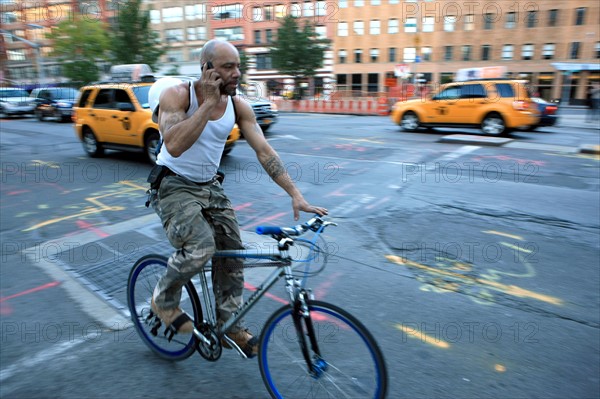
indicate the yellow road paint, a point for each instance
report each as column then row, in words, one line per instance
column 516, row 247
column 507, row 289
column 499, row 368
column 49, row 164
column 97, row 208
column 499, row 233
column 428, row 339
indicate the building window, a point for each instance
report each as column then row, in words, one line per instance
column 358, row 56
column 342, row 28
column 225, row 12
column 532, row 19
column 447, row 53
column 280, row 11
column 257, row 37
column 196, row 11
column 449, row 21
column 466, row 53
column 410, row 54
column 343, row 3
column 269, row 34
column 342, row 56
column 230, row 34
column 410, row 25
column 548, row 51
column 511, row 20
column 392, row 54
column 507, row 52
column 257, row 14
column 196, row 33
column 374, row 27
column 321, row 31
column 154, row 17
column 174, row 35
column 574, row 50
column 373, row 83
column 374, row 52
column 469, row 22
column 375, row 2
column 309, row 9
column 580, row 16
column 296, row 10
column 488, row 21
column 359, row 28
column 359, row 3
column 268, row 10
column 428, row 24
column 486, row 52
column 527, row 51
column 426, row 53
column 552, row 17
column 393, row 26
column 321, row 8
column 263, row 61
column 172, row 14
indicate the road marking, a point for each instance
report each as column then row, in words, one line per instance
column 465, row 149
column 507, row 289
column 428, row 339
column 30, row 291
column 499, row 233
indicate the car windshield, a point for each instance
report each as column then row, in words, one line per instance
column 13, row 93
column 65, row 94
column 141, row 92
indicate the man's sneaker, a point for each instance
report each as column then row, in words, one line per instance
column 180, row 320
column 247, row 343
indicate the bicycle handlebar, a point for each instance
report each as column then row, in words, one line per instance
column 313, row 224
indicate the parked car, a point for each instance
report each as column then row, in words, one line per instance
column 548, row 112
column 15, row 101
column 115, row 115
column 496, row 106
column 55, row 102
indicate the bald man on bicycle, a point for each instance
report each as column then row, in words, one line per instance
column 194, row 121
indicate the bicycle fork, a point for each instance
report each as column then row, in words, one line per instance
column 300, row 313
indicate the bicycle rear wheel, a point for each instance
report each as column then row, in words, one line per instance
column 350, row 364
column 142, row 279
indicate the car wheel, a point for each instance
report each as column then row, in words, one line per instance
column 493, row 124
column 39, row 115
column 90, row 144
column 409, row 122
column 150, row 146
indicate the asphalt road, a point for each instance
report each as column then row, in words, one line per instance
column 474, row 266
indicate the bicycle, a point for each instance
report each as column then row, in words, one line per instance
column 307, row 348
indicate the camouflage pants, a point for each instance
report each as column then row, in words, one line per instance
column 198, row 219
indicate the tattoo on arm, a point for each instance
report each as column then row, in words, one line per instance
column 274, row 167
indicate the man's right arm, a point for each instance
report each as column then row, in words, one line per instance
column 180, row 132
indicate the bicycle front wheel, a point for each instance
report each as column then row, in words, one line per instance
column 142, row 279
column 349, row 363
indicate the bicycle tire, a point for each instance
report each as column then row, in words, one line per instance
column 143, row 277
column 355, row 365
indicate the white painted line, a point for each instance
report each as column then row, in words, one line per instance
column 465, row 149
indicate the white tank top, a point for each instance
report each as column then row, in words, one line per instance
column 200, row 162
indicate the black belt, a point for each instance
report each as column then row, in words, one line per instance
column 169, row 172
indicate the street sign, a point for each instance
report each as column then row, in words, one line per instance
column 401, row 70
column 418, row 58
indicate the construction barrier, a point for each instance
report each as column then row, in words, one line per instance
column 351, row 107
column 382, row 106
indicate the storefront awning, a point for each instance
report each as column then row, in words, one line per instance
column 576, row 66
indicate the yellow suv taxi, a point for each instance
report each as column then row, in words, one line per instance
column 496, row 106
column 112, row 115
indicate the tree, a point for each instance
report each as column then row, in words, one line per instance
column 133, row 40
column 78, row 45
column 298, row 51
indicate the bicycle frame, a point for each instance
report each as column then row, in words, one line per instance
column 284, row 265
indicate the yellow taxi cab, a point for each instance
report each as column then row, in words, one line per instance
column 496, row 106
column 117, row 116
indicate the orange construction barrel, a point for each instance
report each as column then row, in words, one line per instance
column 382, row 106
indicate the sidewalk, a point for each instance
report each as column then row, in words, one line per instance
column 576, row 121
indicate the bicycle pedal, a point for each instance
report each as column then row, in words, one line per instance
column 155, row 326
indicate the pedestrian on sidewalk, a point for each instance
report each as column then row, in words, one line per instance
column 593, row 113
